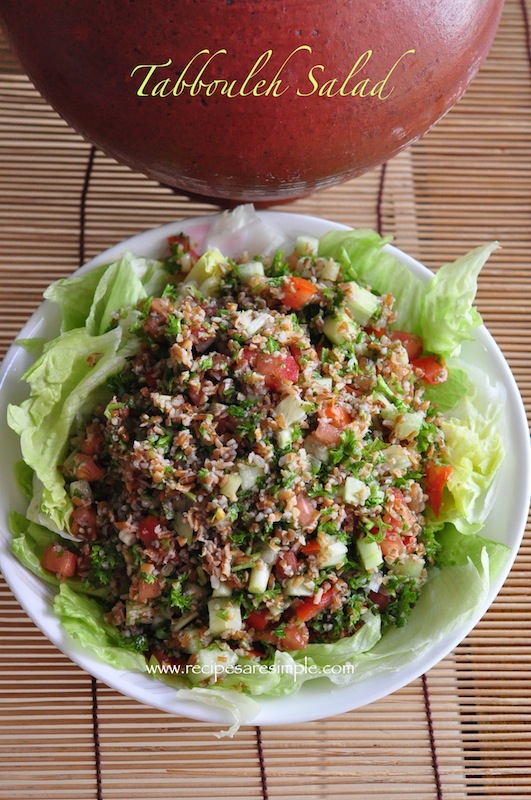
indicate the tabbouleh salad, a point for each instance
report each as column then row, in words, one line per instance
column 263, row 469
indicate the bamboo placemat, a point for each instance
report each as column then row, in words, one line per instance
column 464, row 729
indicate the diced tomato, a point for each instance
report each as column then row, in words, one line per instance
column 276, row 369
column 59, row 560
column 184, row 241
column 296, row 637
column 93, row 441
column 287, row 565
column 86, row 469
column 433, row 371
column 308, row 609
column 398, row 517
column 327, row 434
column 259, row 620
column 307, row 511
column 411, row 342
column 297, row 292
column 392, row 546
column 311, row 548
column 148, row 591
column 437, row 476
column 147, row 530
column 380, row 600
column 336, row 415
column 83, row 522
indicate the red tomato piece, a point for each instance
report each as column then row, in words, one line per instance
column 259, row 620
column 399, row 517
column 184, row 241
column 276, row 369
column 327, row 434
column 336, row 415
column 296, row 637
column 86, row 469
column 311, row 548
column 147, row 530
column 287, row 565
column 307, row 511
column 392, row 546
column 93, row 441
column 411, row 342
column 380, row 600
column 59, row 560
column 148, row 591
column 83, row 522
column 298, row 292
column 437, row 476
column 308, row 609
column 433, row 371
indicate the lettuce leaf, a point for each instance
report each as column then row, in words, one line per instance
column 440, row 310
column 83, row 619
column 474, row 435
column 64, row 382
column 90, row 300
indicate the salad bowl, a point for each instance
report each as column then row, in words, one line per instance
column 452, row 601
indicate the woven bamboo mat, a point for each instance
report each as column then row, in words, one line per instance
column 464, row 729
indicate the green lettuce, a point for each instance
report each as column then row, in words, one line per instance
column 70, row 376
column 83, row 619
column 64, row 382
column 440, row 310
column 91, row 299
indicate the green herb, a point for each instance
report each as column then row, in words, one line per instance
column 271, row 345
column 178, row 599
column 347, row 448
column 173, row 326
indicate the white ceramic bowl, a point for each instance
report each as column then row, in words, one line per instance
column 319, row 698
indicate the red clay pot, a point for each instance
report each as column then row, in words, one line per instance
column 293, row 121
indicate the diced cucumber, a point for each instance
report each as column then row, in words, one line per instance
column 361, row 303
column 249, row 270
column 80, row 489
column 306, row 245
column 330, row 271
column 230, row 484
column 292, row 409
column 408, row 425
column 211, row 662
column 411, row 567
column 259, row 577
column 316, row 450
column 223, row 616
column 190, row 640
column 297, row 588
column 333, row 551
column 340, row 328
column 388, row 410
column 397, row 457
column 182, row 527
column 249, row 473
column 284, row 438
column 220, row 589
column 355, row 492
column 369, row 553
